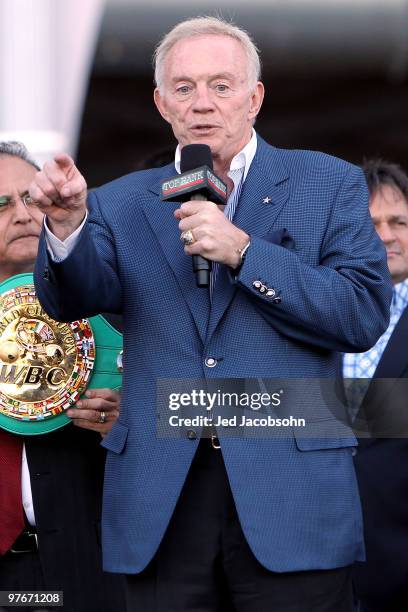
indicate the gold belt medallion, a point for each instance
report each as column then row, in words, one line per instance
column 45, row 365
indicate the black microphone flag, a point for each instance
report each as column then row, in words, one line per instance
column 197, row 182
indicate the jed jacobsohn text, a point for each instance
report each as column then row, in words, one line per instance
column 204, row 399
column 235, row 421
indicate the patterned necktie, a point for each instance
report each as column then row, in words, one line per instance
column 11, row 507
column 229, row 212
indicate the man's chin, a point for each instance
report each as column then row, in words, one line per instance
column 23, row 261
column 209, row 139
column 397, row 274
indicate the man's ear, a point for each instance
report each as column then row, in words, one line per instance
column 160, row 104
column 257, row 97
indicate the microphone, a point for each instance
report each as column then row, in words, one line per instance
column 196, row 182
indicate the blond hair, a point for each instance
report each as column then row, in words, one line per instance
column 207, row 26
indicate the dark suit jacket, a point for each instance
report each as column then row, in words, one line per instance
column 382, row 472
column 66, row 470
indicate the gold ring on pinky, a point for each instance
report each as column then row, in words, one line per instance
column 188, row 238
column 102, row 417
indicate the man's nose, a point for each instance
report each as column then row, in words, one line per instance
column 385, row 233
column 21, row 214
column 203, row 100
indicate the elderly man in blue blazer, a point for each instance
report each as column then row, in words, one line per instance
column 246, row 522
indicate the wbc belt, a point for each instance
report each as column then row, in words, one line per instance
column 45, row 365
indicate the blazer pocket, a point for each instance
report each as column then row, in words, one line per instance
column 324, row 435
column 116, row 439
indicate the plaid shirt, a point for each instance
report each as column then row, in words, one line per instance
column 363, row 365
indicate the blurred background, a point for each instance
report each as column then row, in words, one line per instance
column 77, row 76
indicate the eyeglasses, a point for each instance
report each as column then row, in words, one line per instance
column 7, row 201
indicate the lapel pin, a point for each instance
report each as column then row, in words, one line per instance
column 267, row 200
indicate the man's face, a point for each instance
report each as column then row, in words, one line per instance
column 205, row 94
column 20, row 225
column 389, row 211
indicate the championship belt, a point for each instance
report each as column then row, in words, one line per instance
column 46, row 366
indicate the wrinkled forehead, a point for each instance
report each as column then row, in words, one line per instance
column 389, row 199
column 15, row 175
column 206, row 53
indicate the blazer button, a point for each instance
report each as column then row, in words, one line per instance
column 277, row 300
column 257, row 284
column 271, row 293
column 210, row 362
column 46, row 274
column 263, row 289
column 191, row 434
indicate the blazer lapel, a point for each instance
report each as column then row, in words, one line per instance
column 391, row 366
column 263, row 195
column 160, row 216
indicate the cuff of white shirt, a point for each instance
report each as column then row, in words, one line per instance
column 60, row 249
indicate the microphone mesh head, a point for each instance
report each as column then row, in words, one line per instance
column 194, row 156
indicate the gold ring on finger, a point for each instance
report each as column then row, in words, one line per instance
column 188, row 238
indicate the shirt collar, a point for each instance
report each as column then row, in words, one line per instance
column 242, row 160
column 400, row 295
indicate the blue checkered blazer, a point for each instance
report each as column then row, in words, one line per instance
column 296, row 496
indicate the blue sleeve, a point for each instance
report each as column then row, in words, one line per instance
column 343, row 303
column 86, row 282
